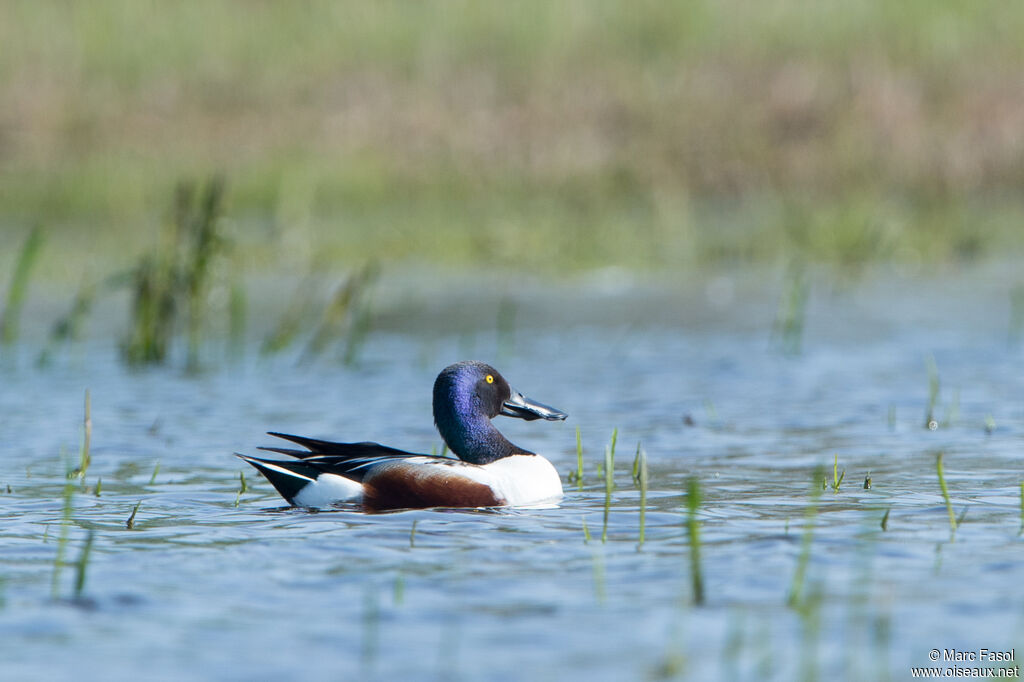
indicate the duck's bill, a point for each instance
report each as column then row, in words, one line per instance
column 522, row 407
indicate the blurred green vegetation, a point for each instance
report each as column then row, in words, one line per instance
column 531, row 135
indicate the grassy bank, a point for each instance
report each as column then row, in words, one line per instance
column 546, row 135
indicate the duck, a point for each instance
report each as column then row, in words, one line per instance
column 489, row 470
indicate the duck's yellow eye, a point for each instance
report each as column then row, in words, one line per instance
column 490, row 379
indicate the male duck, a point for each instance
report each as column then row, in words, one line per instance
column 490, row 471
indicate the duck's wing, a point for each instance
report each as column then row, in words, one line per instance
column 351, row 460
column 316, row 448
column 385, row 478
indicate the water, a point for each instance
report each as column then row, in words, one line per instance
column 203, row 588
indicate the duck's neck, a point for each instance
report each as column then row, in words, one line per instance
column 473, row 438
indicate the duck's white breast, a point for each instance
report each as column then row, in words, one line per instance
column 520, row 479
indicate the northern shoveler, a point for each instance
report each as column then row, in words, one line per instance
column 490, row 471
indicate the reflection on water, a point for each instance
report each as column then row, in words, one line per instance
column 202, row 587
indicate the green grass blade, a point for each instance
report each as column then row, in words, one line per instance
column 579, row 460
column 371, row 629
column 609, row 485
column 242, row 488
column 693, row 501
column 69, row 327
column 85, row 456
column 933, row 393
column 130, row 523
column 294, row 319
column 796, row 590
column 62, row 540
column 82, row 564
column 945, row 497
column 642, row 477
column 344, row 309
column 27, row 258
column 789, row 320
column 237, row 308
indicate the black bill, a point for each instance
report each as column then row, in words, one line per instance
column 522, row 407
